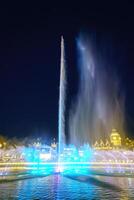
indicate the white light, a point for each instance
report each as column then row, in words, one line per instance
column 45, row 156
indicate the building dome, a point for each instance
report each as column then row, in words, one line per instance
column 115, row 138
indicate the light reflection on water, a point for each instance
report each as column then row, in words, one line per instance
column 72, row 187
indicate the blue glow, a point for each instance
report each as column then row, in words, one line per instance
column 43, row 160
column 72, row 160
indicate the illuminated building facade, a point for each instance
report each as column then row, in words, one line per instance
column 113, row 143
column 115, row 138
column 100, row 145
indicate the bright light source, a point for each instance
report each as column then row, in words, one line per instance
column 45, row 156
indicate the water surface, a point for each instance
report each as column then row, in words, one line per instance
column 70, row 187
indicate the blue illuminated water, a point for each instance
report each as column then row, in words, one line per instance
column 72, row 187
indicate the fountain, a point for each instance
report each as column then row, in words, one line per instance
column 62, row 88
column 99, row 106
column 97, row 109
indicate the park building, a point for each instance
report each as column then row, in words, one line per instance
column 54, row 144
column 129, row 144
column 113, row 143
column 115, row 139
column 100, row 145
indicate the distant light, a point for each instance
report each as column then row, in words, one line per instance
column 45, row 156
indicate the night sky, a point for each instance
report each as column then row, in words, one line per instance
column 30, row 59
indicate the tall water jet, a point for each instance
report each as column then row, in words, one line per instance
column 62, row 95
column 99, row 104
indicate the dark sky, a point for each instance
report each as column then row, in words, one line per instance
column 30, row 57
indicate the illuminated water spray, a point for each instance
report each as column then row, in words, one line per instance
column 62, row 88
column 99, row 106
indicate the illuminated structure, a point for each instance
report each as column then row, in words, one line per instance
column 115, row 138
column 3, row 142
column 102, row 146
column 114, row 143
column 129, row 143
column 54, row 144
